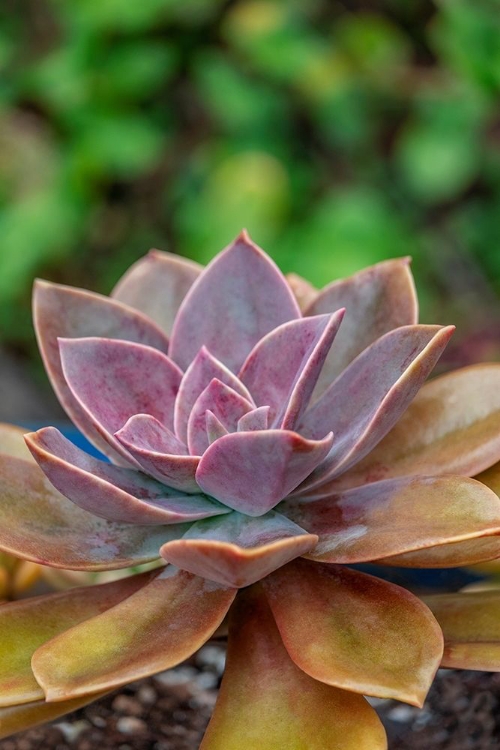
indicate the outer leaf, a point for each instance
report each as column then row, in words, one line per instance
column 27, row 715
column 246, row 310
column 227, row 405
column 64, row 312
column 452, row 427
column 156, row 285
column 370, row 636
column 396, row 516
column 202, row 370
column 114, row 380
column 471, row 628
column 54, row 531
column 285, row 708
column 252, row 471
column 377, row 300
column 283, row 368
column 27, row 624
column 154, row 629
column 156, row 450
column 113, row 492
column 370, row 396
column 239, row 550
column 451, row 555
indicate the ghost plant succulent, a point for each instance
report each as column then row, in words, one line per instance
column 260, row 450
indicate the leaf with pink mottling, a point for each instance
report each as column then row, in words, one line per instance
column 377, row 299
column 114, row 380
column 54, row 531
column 283, row 368
column 227, row 405
column 202, row 370
column 253, row 471
column 64, row 312
column 113, row 492
column 159, row 452
column 244, row 292
column 156, row 285
column 364, row 403
column 396, row 516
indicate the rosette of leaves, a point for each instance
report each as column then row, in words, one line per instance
column 260, row 447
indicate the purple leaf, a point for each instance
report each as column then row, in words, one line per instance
column 227, row 405
column 239, row 298
column 252, row 471
column 283, row 368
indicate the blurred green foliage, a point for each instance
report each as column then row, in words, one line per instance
column 338, row 133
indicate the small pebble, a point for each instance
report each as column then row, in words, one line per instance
column 402, row 713
column 71, row 731
column 131, row 725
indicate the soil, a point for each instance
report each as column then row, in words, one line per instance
column 171, row 710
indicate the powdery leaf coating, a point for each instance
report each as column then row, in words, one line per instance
column 227, row 405
column 239, row 550
column 245, row 292
column 156, row 286
column 154, row 629
column 348, row 611
column 284, row 707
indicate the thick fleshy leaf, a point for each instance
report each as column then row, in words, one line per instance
column 283, row 368
column 396, row 516
column 113, row 492
column 266, row 702
column 200, row 373
column 27, row 624
column 241, row 291
column 252, row 471
column 370, row 636
column 453, row 555
column 39, row 524
column 227, row 405
column 257, row 419
column 156, row 285
column 156, row 450
column 63, row 312
column 215, row 428
column 369, row 397
column 471, row 627
column 27, row 715
column 239, row 550
column 303, row 291
column 114, row 380
column 377, row 300
column 154, row 629
column 12, row 441
column 452, row 427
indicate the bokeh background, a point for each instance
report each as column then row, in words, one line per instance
column 338, row 133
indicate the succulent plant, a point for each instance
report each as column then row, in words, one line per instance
column 260, row 450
